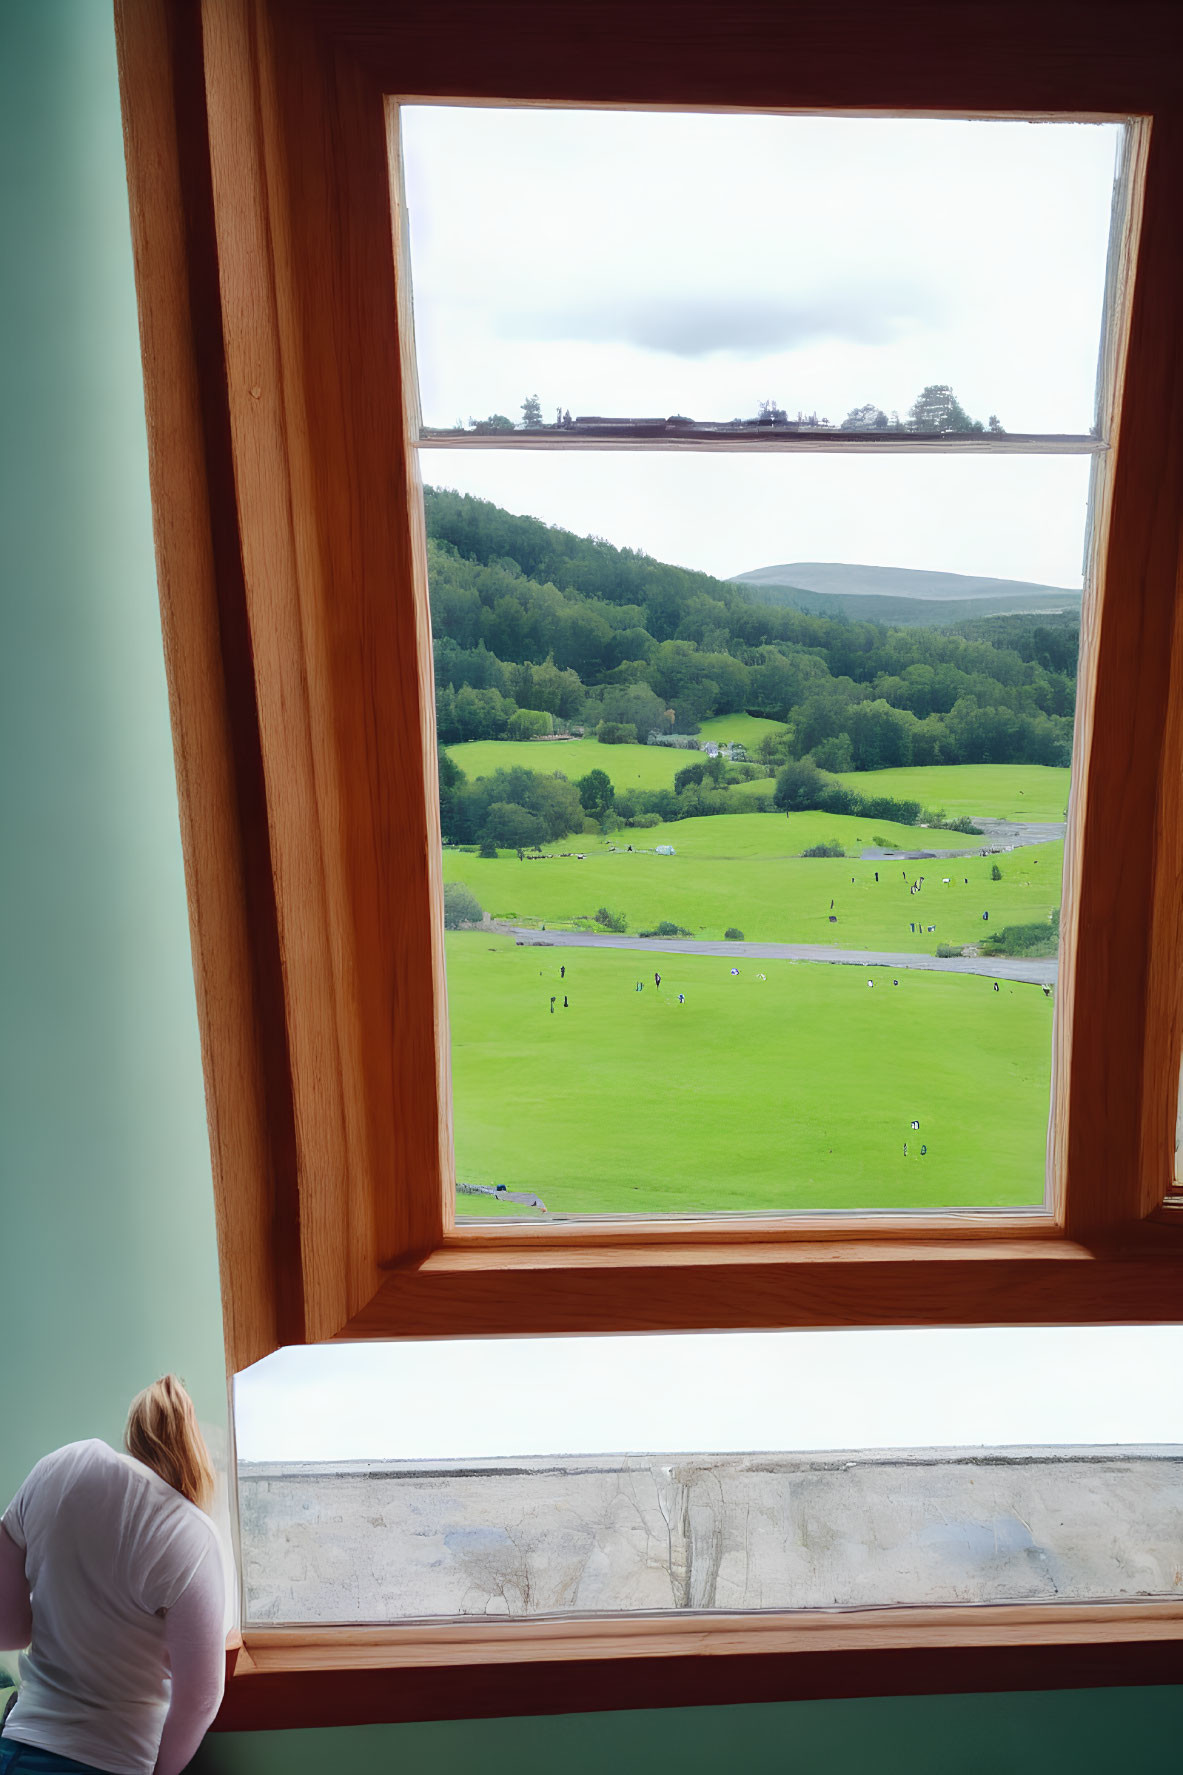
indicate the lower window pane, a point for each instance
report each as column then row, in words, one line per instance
column 753, row 889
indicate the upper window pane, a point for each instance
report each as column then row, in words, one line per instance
column 651, row 264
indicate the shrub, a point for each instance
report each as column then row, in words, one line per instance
column 645, row 820
column 667, row 929
column 732, row 935
column 946, row 950
column 995, row 872
column 612, row 921
column 832, row 849
column 962, row 823
column 616, row 733
column 461, row 906
column 487, row 847
column 528, row 724
column 1025, row 939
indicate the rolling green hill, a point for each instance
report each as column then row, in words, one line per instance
column 911, row 598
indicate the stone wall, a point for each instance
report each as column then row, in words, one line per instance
column 382, row 1541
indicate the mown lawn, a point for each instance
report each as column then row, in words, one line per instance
column 740, row 870
column 995, row 791
column 792, row 1091
column 749, row 730
column 629, row 767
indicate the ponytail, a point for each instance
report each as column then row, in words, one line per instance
column 162, row 1432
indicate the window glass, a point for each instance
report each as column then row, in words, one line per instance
column 754, row 768
column 650, row 264
column 741, row 1471
column 754, row 893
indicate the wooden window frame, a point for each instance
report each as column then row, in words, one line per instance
column 280, row 398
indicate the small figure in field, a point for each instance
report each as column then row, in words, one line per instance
column 996, row 986
column 657, row 979
column 870, row 983
column 916, row 1124
column 681, row 998
column 640, row 986
column 1047, row 992
column 564, row 1001
column 735, row 970
column 563, row 972
column 876, row 875
column 923, row 1150
column 905, row 1149
column 831, row 905
column 833, row 918
column 895, row 982
column 552, row 1004
column 985, row 918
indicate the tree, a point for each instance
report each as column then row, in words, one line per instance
column 531, row 413
column 596, row 793
column 495, row 422
column 834, row 754
column 509, row 826
column 452, row 784
column 868, row 418
column 995, row 872
column 936, row 408
column 799, row 786
column 616, row 733
column 461, row 906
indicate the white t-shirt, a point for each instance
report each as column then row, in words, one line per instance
column 109, row 1548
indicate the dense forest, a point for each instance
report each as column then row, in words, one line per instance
column 535, row 628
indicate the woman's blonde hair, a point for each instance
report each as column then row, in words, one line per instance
column 162, row 1431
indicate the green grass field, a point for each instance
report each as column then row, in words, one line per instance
column 629, row 767
column 995, row 791
column 749, row 730
column 741, row 870
column 795, row 1091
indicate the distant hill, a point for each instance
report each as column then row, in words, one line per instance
column 913, row 597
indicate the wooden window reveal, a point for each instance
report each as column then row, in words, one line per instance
column 280, row 406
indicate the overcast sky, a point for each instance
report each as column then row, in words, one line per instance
column 712, row 1393
column 631, row 263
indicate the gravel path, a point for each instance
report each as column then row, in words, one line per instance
column 997, row 835
column 995, row 967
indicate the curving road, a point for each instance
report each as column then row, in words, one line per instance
column 996, row 967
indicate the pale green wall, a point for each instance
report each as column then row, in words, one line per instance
column 107, row 1271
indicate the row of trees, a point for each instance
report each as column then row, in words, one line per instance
column 533, row 621
column 936, row 408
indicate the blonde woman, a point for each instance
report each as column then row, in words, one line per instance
column 110, row 1573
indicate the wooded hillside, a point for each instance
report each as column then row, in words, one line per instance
column 534, row 625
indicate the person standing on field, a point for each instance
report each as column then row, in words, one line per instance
column 111, row 1575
